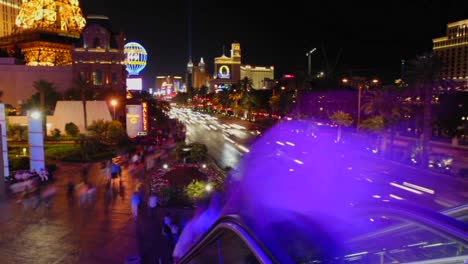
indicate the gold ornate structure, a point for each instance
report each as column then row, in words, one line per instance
column 45, row 30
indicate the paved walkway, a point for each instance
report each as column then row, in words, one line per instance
column 68, row 233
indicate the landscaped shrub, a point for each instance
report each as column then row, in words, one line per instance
column 59, row 152
column 196, row 190
column 71, row 129
column 18, row 163
column 56, row 134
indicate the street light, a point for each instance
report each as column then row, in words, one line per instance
column 308, row 55
column 114, row 104
column 359, row 83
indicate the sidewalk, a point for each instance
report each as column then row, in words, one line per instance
column 68, row 233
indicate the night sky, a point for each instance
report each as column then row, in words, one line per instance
column 368, row 37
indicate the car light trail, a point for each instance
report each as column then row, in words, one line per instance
column 396, row 197
column 417, row 187
column 406, row 188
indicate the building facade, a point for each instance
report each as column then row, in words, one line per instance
column 167, row 85
column 17, row 80
column 99, row 57
column 453, row 50
column 260, row 76
column 9, row 9
column 227, row 69
column 230, row 71
column 200, row 75
column 70, row 111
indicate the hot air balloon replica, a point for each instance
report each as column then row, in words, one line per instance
column 135, row 57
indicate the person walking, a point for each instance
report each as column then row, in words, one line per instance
column 135, row 203
column 152, row 204
column 115, row 171
column 166, row 227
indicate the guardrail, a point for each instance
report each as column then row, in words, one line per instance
column 234, row 224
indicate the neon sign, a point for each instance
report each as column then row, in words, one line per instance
column 224, row 72
column 145, row 117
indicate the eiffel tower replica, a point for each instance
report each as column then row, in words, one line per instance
column 44, row 32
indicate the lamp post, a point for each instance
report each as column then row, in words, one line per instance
column 359, row 108
column 346, row 81
column 308, row 55
column 114, row 104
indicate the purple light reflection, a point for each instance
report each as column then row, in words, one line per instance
column 275, row 182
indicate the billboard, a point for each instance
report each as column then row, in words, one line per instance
column 134, row 84
column 134, row 120
column 224, row 71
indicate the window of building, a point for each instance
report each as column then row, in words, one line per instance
column 83, row 75
column 115, row 79
column 97, row 77
column 96, row 43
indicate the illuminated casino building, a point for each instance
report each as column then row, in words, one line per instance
column 168, row 85
column 45, row 31
column 201, row 78
column 453, row 50
column 229, row 71
column 99, row 57
column 260, row 76
column 9, row 9
column 39, row 47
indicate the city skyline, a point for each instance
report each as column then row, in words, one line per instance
column 352, row 36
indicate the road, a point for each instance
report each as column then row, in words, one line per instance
column 227, row 143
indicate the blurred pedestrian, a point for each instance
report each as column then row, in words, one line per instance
column 166, row 227
column 153, row 204
column 135, row 204
column 174, row 235
column 115, row 171
column 84, row 172
column 70, row 190
column 48, row 195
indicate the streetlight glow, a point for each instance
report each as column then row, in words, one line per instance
column 114, row 103
column 36, row 114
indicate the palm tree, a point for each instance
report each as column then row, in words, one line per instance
column 246, row 84
column 385, row 103
column 375, row 125
column 342, row 119
column 83, row 86
column 235, row 97
column 43, row 87
column 274, row 103
column 422, row 75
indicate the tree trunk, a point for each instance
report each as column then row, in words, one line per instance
column 85, row 115
column 427, row 124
